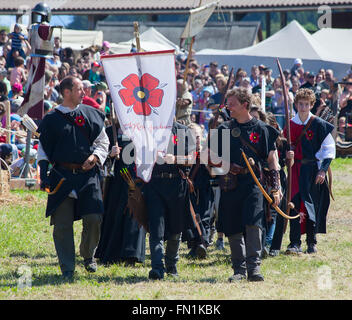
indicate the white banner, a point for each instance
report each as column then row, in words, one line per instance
column 143, row 90
column 197, row 19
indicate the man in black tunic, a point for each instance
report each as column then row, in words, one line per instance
column 73, row 140
column 168, row 204
column 241, row 201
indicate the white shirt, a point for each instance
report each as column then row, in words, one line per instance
column 100, row 145
column 328, row 146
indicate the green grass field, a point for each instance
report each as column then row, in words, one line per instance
column 29, row 268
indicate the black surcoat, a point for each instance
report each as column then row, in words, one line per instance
column 71, row 141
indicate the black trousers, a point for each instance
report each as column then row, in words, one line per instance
column 279, row 233
column 295, row 232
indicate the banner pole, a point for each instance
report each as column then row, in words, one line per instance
column 136, row 34
column 188, row 58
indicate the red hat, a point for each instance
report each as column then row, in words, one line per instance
column 95, row 64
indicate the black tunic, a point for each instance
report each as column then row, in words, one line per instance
column 167, row 199
column 244, row 205
column 203, row 203
column 121, row 237
column 315, row 197
column 66, row 142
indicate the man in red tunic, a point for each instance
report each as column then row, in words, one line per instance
column 313, row 150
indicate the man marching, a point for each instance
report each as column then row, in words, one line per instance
column 168, row 203
column 314, row 149
column 241, row 212
column 73, row 140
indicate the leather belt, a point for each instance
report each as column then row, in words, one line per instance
column 166, row 175
column 73, row 167
column 236, row 169
column 239, row 171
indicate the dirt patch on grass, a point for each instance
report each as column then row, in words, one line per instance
column 22, row 200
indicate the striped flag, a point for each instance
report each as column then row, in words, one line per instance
column 33, row 103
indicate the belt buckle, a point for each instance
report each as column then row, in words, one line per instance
column 170, row 175
column 74, row 171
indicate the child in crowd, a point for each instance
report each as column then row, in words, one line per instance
column 16, row 38
column 18, row 73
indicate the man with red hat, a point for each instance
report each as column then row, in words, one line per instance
column 87, row 99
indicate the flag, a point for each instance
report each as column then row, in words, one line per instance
column 198, row 17
column 143, row 90
column 33, row 102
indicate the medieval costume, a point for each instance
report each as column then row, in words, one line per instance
column 122, row 239
column 313, row 152
column 203, row 203
column 241, row 209
column 67, row 138
column 167, row 201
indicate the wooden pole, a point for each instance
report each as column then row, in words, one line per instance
column 189, row 54
column 26, row 169
column 8, row 120
column 188, row 58
column 136, row 34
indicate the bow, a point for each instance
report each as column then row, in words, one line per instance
column 58, row 186
column 267, row 197
column 50, row 193
column 288, row 133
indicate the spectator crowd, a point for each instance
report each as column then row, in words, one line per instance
column 198, row 95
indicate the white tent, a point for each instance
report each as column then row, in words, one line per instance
column 150, row 40
column 75, row 39
column 337, row 41
column 79, row 39
column 289, row 43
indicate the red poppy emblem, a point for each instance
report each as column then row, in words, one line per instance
column 175, row 139
column 254, row 137
column 80, row 121
column 142, row 94
column 309, row 135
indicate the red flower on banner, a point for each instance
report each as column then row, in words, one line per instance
column 309, row 135
column 79, row 120
column 254, row 137
column 175, row 139
column 142, row 93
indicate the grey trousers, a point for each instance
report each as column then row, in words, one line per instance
column 171, row 255
column 246, row 251
column 63, row 219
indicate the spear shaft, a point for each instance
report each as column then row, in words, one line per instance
column 288, row 134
